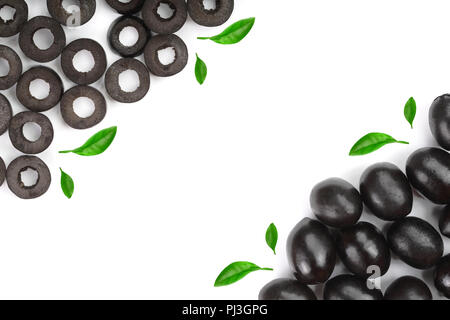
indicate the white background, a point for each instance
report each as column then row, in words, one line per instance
column 197, row 173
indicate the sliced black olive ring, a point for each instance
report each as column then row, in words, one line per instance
column 162, row 42
column 28, row 100
column 18, row 139
column 114, row 36
column 14, row 179
column 112, row 80
column 161, row 25
column 29, row 47
column 97, row 52
column 68, row 113
column 79, row 16
column 14, row 26
column 5, row 114
column 210, row 17
column 130, row 7
column 15, row 67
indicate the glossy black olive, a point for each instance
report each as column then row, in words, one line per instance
column 439, row 119
column 416, row 242
column 114, row 36
column 362, row 247
column 444, row 221
column 286, row 289
column 408, row 288
column 442, row 276
column 336, row 203
column 348, row 287
column 428, row 171
column 311, row 252
column 385, row 190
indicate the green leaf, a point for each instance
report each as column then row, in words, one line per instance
column 200, row 70
column 235, row 272
column 372, row 142
column 410, row 111
column 234, row 33
column 272, row 237
column 67, row 184
column 96, row 144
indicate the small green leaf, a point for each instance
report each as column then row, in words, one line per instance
column 410, row 111
column 372, row 142
column 235, row 272
column 67, row 184
column 234, row 33
column 272, row 237
column 96, row 144
column 200, row 70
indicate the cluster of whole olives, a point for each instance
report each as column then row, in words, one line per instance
column 314, row 246
column 155, row 33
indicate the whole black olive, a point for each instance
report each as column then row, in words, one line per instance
column 362, row 247
column 385, row 190
column 444, row 221
column 408, row 288
column 416, row 242
column 439, row 119
column 428, row 170
column 442, row 276
column 311, row 252
column 349, row 287
column 286, row 289
column 336, row 203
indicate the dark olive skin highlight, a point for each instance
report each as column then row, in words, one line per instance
column 361, row 247
column 336, row 203
column 442, row 276
column 386, row 191
column 416, row 242
column 428, row 171
column 439, row 120
column 311, row 252
column 349, row 287
column 286, row 289
column 408, row 288
column 444, row 221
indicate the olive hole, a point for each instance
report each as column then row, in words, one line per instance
column 125, row 1
column 39, row 89
column 83, row 61
column 83, row 107
column 129, row 81
column 71, row 6
column 29, row 177
column 7, row 13
column 129, row 36
column 32, row 131
column 166, row 56
column 4, row 67
column 210, row 5
column 43, row 39
column 165, row 10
